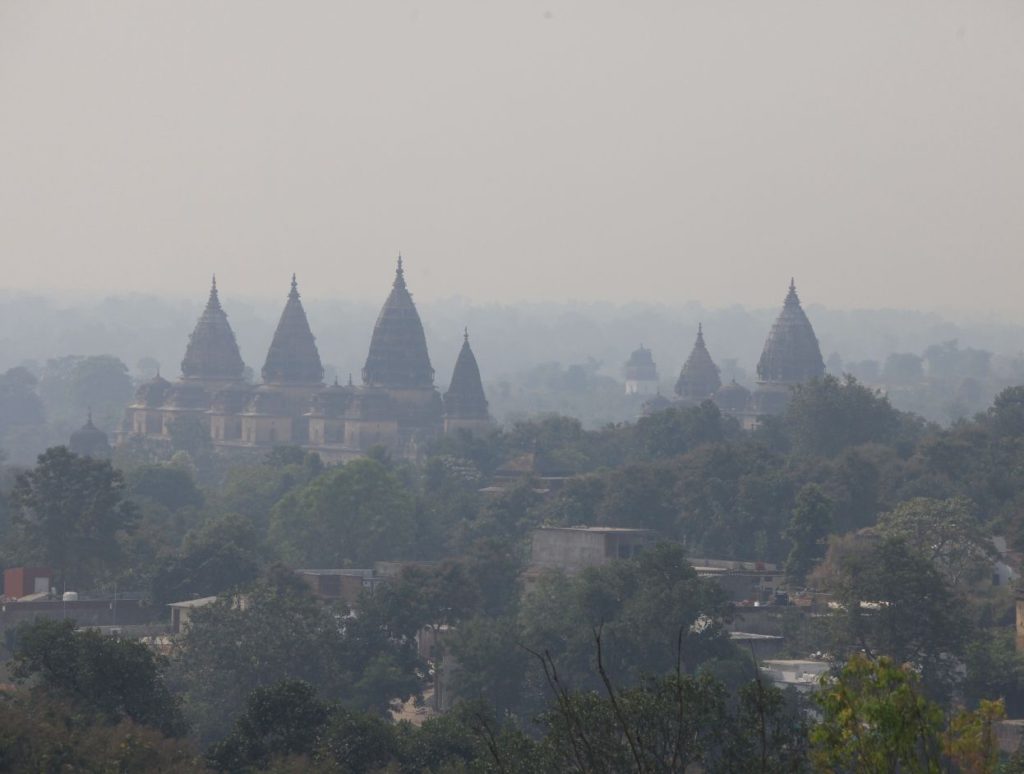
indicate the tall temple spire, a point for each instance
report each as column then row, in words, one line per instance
column 465, row 398
column 698, row 378
column 293, row 357
column 791, row 353
column 212, row 352
column 398, row 354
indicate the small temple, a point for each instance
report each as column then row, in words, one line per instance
column 699, row 378
column 641, row 373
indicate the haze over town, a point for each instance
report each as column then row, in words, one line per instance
column 541, row 387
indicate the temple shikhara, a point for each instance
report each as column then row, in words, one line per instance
column 397, row 406
column 791, row 356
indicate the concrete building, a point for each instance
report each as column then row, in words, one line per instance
column 570, row 549
column 181, row 611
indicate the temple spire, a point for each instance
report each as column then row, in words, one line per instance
column 293, row 356
column 698, row 379
column 212, row 352
column 465, row 398
column 791, row 353
column 398, row 355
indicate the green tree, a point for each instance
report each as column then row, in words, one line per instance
column 875, row 718
column 42, row 734
column 676, row 431
column 222, row 555
column 808, row 531
column 894, row 602
column 945, row 532
column 70, row 512
column 276, row 630
column 356, row 514
column 170, row 485
column 281, row 720
column 106, row 676
column 827, row 415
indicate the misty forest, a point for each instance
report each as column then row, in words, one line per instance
column 684, row 434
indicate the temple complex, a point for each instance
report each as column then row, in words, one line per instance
column 791, row 356
column 397, row 406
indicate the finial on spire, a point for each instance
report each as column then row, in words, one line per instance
column 213, row 284
column 294, row 292
column 399, row 273
column 792, row 283
column 465, row 334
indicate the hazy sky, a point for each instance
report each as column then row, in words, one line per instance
column 652, row 151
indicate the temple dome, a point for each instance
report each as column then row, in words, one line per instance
column 152, row 393
column 212, row 352
column 640, row 366
column 733, row 397
column 293, row 357
column 398, row 355
column 698, row 378
column 89, row 441
column 465, row 398
column 791, row 354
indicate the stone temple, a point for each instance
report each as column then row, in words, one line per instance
column 397, row 406
column 791, row 356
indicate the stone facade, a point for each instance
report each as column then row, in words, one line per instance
column 397, row 406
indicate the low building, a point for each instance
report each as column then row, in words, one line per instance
column 182, row 611
column 752, row 583
column 24, row 581
column 344, row 585
column 570, row 549
column 802, row 674
column 88, row 613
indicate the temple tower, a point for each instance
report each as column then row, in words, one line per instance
column 89, row 441
column 465, row 405
column 698, row 379
column 293, row 357
column 211, row 363
column 641, row 373
column 212, row 354
column 398, row 364
column 292, row 374
column 791, row 356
